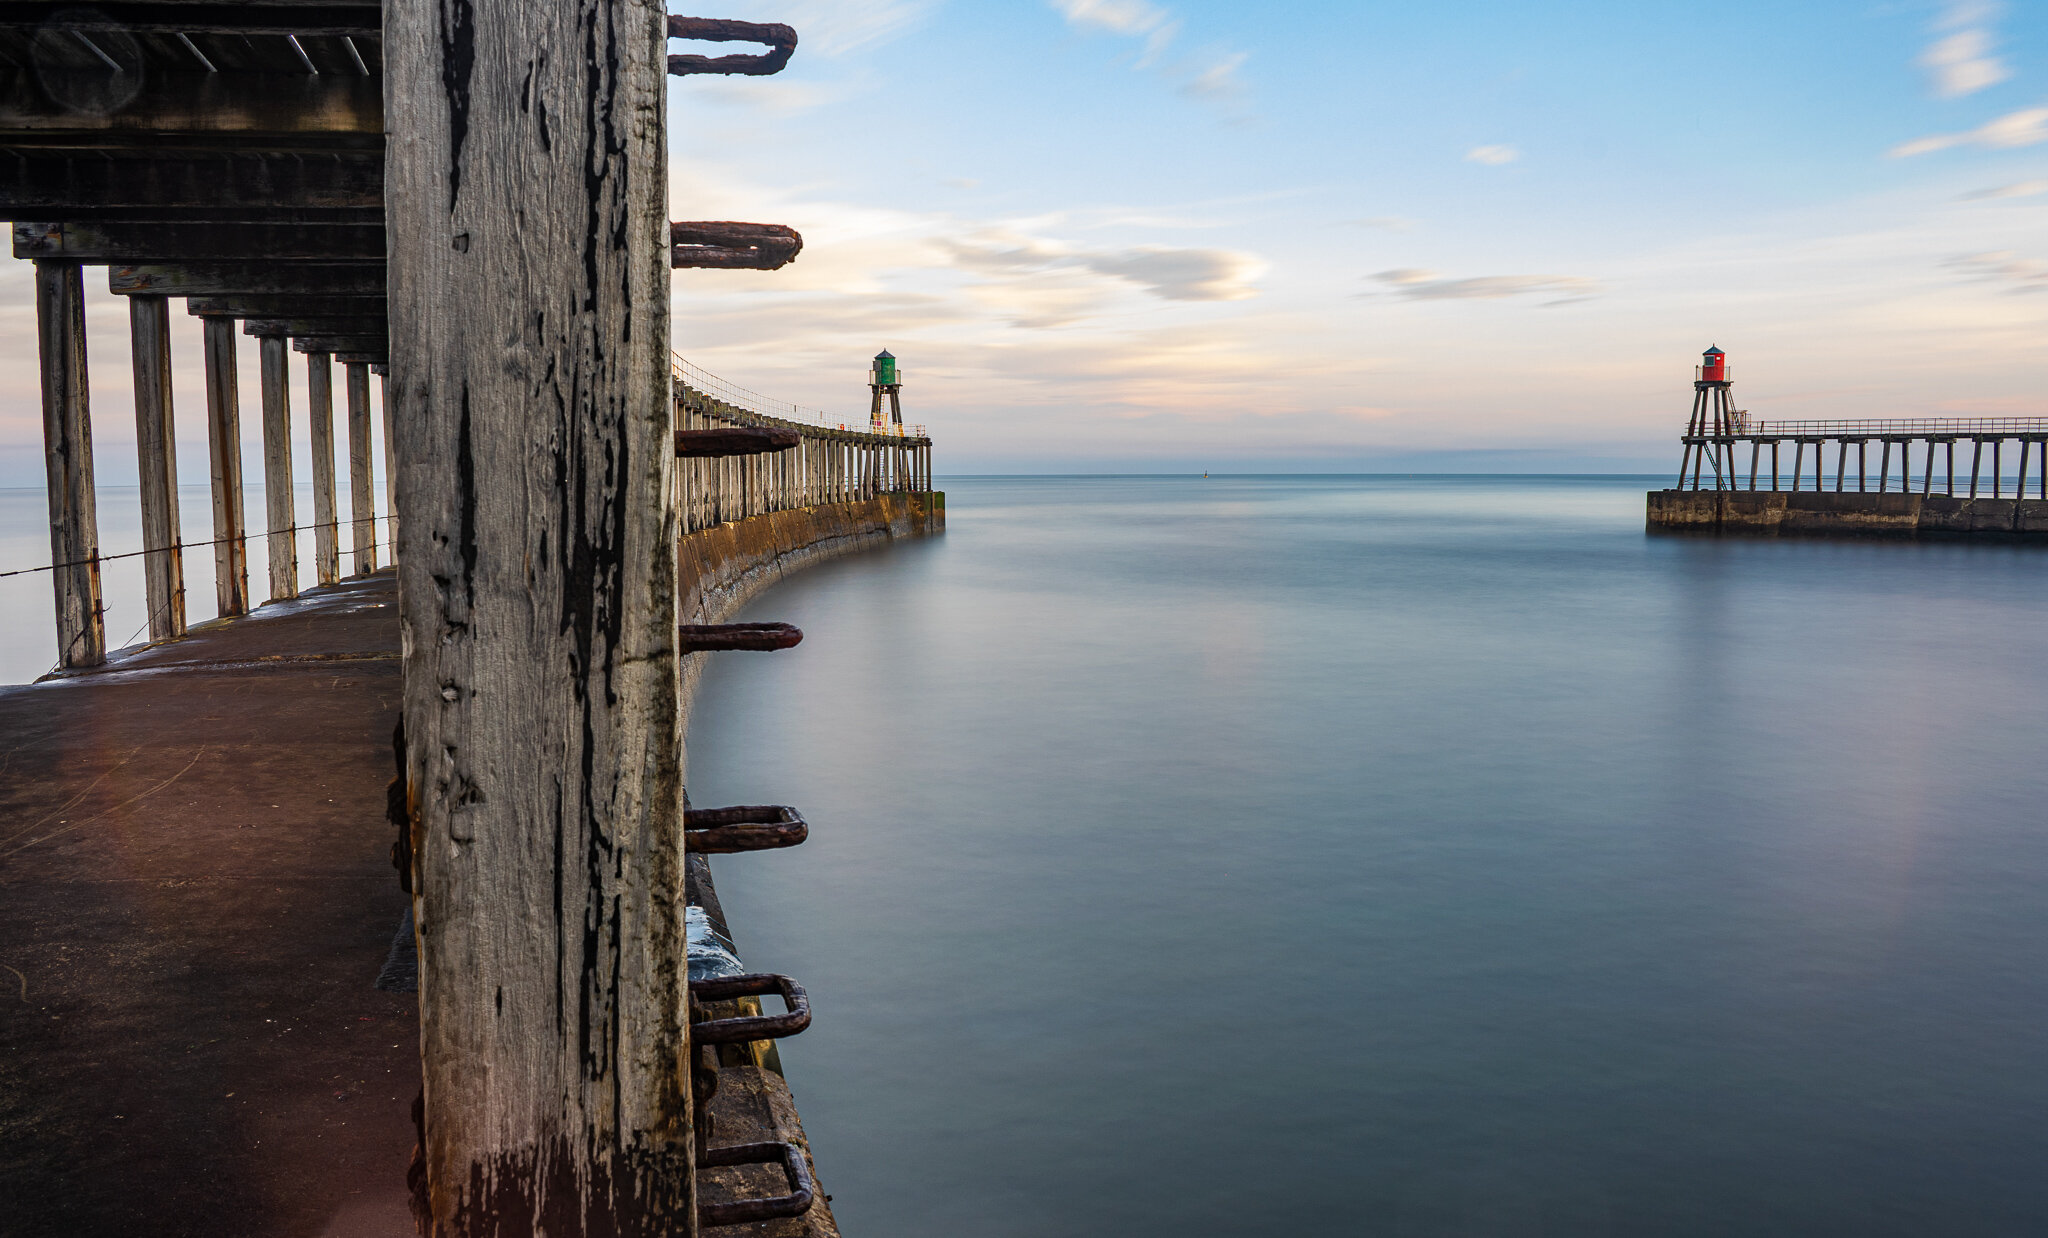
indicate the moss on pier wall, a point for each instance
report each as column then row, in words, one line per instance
column 720, row 568
column 1826, row 513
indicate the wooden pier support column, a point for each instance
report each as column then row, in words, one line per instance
column 390, row 464
column 528, row 266
column 279, row 505
column 362, row 502
column 224, row 453
column 156, row 461
column 326, row 517
column 67, row 457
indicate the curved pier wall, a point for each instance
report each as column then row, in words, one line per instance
column 719, row 569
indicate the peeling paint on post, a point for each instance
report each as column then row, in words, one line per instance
column 529, row 392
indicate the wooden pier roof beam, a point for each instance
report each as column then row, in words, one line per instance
column 529, row 389
column 246, row 278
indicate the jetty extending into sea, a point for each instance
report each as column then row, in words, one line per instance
column 1783, row 482
column 380, row 905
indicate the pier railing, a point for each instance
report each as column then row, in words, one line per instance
column 780, row 412
column 1914, row 454
column 1917, row 427
column 833, row 462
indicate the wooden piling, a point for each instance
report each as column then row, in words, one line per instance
column 279, row 503
column 390, row 466
column 224, row 454
column 529, row 393
column 362, row 503
column 326, row 518
column 156, row 461
column 67, row 458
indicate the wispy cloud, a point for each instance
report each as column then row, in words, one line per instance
column 2018, row 189
column 1384, row 223
column 1492, row 156
column 1217, row 81
column 1960, row 61
column 837, row 27
column 1418, row 285
column 1183, row 274
column 1210, row 74
column 1166, row 272
column 1131, row 18
column 2005, row 267
column 2027, row 127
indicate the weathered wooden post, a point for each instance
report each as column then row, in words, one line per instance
column 390, row 460
column 326, row 516
column 529, row 392
column 156, row 461
column 224, row 451
column 279, row 505
column 362, row 503
column 67, row 456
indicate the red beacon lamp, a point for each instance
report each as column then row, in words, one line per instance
column 1713, row 366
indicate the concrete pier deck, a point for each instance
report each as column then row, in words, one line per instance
column 196, row 896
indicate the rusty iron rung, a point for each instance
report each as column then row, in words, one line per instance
column 727, row 637
column 733, row 441
column 802, row 1190
column 727, row 243
column 707, row 257
column 739, row 1029
column 781, row 41
column 744, row 827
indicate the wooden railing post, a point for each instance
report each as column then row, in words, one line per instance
column 529, row 394
column 279, row 503
column 362, row 503
column 326, row 514
column 67, row 456
column 156, row 460
column 224, row 453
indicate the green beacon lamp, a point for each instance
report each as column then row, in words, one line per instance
column 885, row 377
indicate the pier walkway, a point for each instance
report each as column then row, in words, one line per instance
column 196, row 897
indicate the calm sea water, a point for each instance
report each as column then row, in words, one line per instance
column 1402, row 857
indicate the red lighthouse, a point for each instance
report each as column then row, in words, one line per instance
column 1713, row 366
column 1710, row 435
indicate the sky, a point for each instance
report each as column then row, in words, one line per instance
column 1128, row 235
